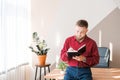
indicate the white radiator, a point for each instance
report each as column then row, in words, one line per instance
column 18, row 73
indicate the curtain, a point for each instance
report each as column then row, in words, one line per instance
column 14, row 33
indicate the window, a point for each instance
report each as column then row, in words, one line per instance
column 14, row 33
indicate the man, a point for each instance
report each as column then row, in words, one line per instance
column 79, row 66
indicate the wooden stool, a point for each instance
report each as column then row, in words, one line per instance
column 42, row 66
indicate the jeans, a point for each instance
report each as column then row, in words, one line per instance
column 75, row 73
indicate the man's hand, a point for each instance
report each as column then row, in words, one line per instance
column 80, row 58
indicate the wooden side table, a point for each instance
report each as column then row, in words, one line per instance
column 55, row 74
column 42, row 66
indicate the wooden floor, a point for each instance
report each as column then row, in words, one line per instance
column 98, row 74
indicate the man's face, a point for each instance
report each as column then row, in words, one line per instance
column 80, row 32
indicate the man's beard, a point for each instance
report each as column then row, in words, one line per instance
column 80, row 39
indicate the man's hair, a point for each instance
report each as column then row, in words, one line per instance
column 82, row 23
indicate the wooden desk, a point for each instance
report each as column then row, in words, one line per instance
column 98, row 74
column 106, row 73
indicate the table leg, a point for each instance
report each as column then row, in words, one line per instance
column 40, row 73
column 48, row 69
column 36, row 72
column 45, row 71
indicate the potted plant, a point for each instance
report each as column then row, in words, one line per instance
column 62, row 65
column 39, row 47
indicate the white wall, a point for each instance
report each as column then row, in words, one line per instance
column 54, row 20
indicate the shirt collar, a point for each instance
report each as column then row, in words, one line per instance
column 85, row 39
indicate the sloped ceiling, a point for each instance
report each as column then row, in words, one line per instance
column 117, row 2
column 106, row 34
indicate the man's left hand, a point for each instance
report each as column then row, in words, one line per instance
column 80, row 58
